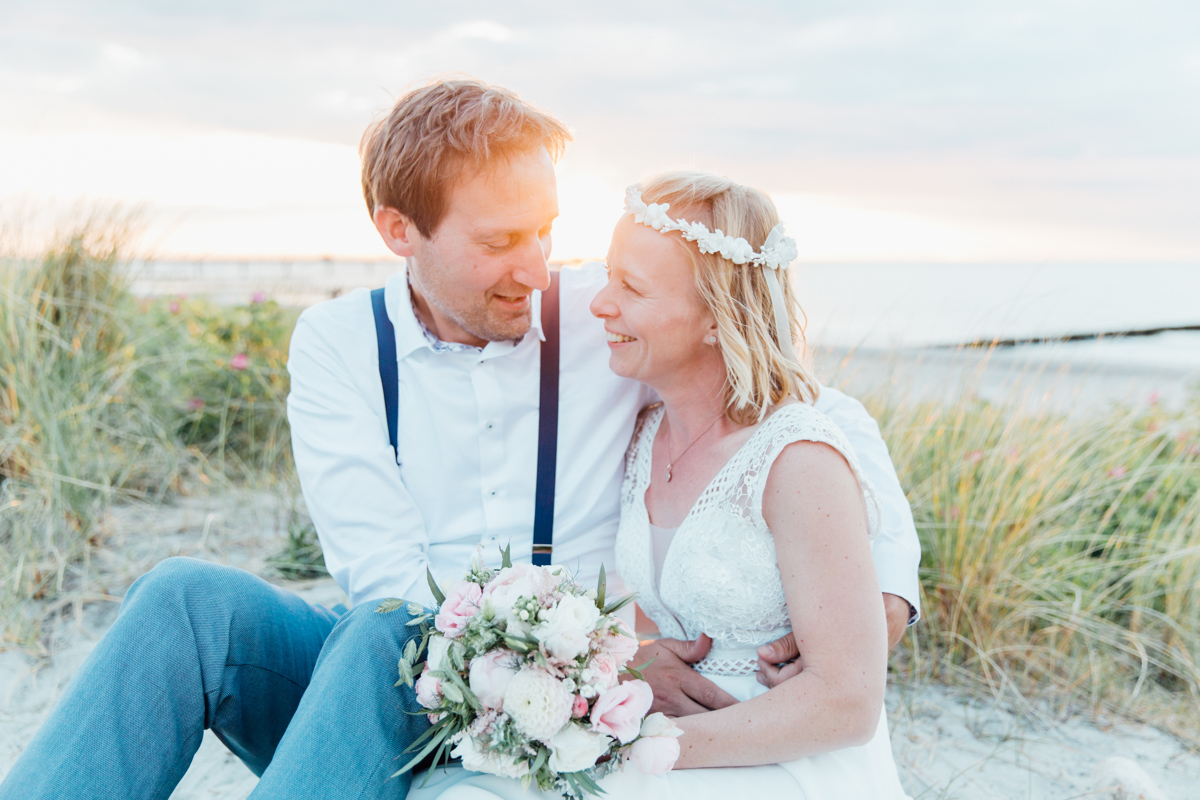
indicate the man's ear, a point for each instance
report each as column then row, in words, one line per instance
column 397, row 231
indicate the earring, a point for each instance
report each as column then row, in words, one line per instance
column 712, row 339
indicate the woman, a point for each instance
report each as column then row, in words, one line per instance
column 744, row 512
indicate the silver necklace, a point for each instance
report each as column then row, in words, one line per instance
column 671, row 459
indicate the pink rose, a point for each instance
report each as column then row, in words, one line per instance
column 429, row 690
column 604, row 671
column 520, row 580
column 622, row 645
column 489, row 676
column 654, row 755
column 580, row 707
column 619, row 711
column 239, row 362
column 461, row 603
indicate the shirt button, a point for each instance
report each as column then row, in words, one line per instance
column 492, row 493
column 490, row 425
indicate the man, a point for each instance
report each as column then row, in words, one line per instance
column 459, row 179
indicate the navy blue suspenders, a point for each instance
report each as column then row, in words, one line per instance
column 547, row 459
column 385, row 336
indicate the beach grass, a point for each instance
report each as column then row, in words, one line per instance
column 104, row 396
column 1061, row 554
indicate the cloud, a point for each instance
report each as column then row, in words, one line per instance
column 1017, row 118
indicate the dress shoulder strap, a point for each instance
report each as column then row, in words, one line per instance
column 800, row 422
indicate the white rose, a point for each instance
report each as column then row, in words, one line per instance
column 565, row 628
column 476, row 759
column 538, row 703
column 438, row 655
column 574, row 748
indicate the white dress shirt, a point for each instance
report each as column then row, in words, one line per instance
column 467, row 437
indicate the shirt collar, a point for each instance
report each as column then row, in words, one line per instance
column 412, row 334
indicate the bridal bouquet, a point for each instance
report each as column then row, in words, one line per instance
column 520, row 680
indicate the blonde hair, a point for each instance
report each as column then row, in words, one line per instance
column 757, row 373
column 412, row 157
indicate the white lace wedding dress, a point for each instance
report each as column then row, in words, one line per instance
column 719, row 577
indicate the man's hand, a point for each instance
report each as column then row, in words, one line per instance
column 898, row 613
column 780, row 659
column 678, row 689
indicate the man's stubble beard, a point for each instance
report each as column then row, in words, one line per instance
column 479, row 319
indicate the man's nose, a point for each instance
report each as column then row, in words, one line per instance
column 532, row 268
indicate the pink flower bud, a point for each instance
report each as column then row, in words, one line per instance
column 240, row 362
column 580, row 707
column 428, row 690
column 654, row 755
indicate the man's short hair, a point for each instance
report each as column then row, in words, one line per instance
column 433, row 135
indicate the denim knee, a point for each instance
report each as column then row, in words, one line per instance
column 372, row 634
column 180, row 588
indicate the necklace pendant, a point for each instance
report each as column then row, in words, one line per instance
column 669, row 472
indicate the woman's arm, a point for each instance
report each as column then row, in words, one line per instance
column 814, row 508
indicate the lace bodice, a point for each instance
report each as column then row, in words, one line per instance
column 720, row 576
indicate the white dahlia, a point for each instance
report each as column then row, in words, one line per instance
column 538, row 703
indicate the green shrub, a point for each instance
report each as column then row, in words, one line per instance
column 227, row 384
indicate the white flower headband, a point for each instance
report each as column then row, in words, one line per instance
column 776, row 253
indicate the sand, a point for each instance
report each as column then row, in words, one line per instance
column 947, row 743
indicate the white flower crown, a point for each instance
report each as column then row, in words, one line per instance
column 777, row 251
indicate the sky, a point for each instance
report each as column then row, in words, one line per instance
column 931, row 132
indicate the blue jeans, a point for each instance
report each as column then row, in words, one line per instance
column 304, row 697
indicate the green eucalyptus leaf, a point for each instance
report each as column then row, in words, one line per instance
column 388, row 606
column 451, row 692
column 433, row 587
column 432, row 745
column 506, row 557
column 616, row 605
column 406, row 673
column 600, row 586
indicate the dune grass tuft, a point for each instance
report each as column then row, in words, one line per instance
column 105, row 396
column 1060, row 555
